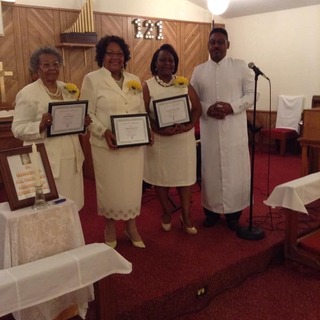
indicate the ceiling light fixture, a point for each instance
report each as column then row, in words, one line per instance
column 217, row 7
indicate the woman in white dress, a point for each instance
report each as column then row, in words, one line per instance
column 31, row 120
column 118, row 171
column 171, row 161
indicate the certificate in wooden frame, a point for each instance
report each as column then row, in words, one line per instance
column 18, row 176
column 68, row 117
column 172, row 110
column 131, row 129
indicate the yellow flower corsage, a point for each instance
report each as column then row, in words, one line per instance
column 72, row 89
column 181, row 82
column 134, row 86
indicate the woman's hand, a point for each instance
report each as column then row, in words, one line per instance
column 176, row 129
column 151, row 138
column 45, row 122
column 110, row 139
column 170, row 131
column 186, row 127
column 87, row 120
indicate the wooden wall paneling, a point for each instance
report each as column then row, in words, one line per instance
column 32, row 27
column 205, row 29
column 111, row 25
column 8, row 55
column 97, row 23
column 141, row 52
column 21, row 45
column 40, row 27
column 66, row 19
column 191, row 40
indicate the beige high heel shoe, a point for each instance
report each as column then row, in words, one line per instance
column 188, row 230
column 111, row 244
column 165, row 226
column 137, row 244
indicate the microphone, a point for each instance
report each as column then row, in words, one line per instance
column 256, row 70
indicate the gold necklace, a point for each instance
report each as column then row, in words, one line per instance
column 165, row 84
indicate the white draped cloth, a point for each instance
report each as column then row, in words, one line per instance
column 46, row 279
column 289, row 112
column 296, row 194
column 27, row 235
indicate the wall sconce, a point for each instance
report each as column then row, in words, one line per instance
column 217, row 7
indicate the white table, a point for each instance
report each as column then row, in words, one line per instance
column 58, row 275
column 27, row 235
column 296, row 194
column 293, row 196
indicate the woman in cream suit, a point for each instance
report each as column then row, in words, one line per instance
column 118, row 172
column 31, row 119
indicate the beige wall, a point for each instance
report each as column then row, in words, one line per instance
column 285, row 45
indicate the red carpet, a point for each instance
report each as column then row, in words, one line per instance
column 168, row 273
column 242, row 279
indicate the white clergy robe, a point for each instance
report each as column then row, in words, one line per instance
column 225, row 157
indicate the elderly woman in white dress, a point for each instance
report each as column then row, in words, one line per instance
column 111, row 90
column 31, row 120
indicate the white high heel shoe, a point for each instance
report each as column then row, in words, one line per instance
column 188, row 230
column 165, row 226
column 137, row 244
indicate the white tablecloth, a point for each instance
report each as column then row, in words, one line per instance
column 45, row 279
column 27, row 235
column 296, row 194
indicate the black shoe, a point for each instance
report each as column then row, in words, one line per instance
column 211, row 218
column 233, row 225
column 233, row 220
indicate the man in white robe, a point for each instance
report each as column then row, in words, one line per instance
column 226, row 89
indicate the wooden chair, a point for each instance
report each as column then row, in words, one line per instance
column 310, row 141
column 287, row 122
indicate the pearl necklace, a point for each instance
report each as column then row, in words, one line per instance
column 165, row 84
column 55, row 94
column 119, row 82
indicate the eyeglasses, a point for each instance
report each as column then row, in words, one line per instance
column 220, row 42
column 115, row 54
column 48, row 65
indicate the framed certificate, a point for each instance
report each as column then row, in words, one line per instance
column 131, row 129
column 18, row 174
column 67, row 117
column 172, row 110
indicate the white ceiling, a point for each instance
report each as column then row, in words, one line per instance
column 239, row 8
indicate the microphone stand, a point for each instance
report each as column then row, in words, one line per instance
column 251, row 232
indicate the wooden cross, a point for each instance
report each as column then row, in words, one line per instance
column 2, row 86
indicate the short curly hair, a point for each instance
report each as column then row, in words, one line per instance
column 170, row 49
column 35, row 57
column 104, row 43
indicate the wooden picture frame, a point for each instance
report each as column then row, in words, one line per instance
column 18, row 176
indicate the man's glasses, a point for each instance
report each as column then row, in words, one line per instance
column 220, row 42
column 48, row 65
column 115, row 54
